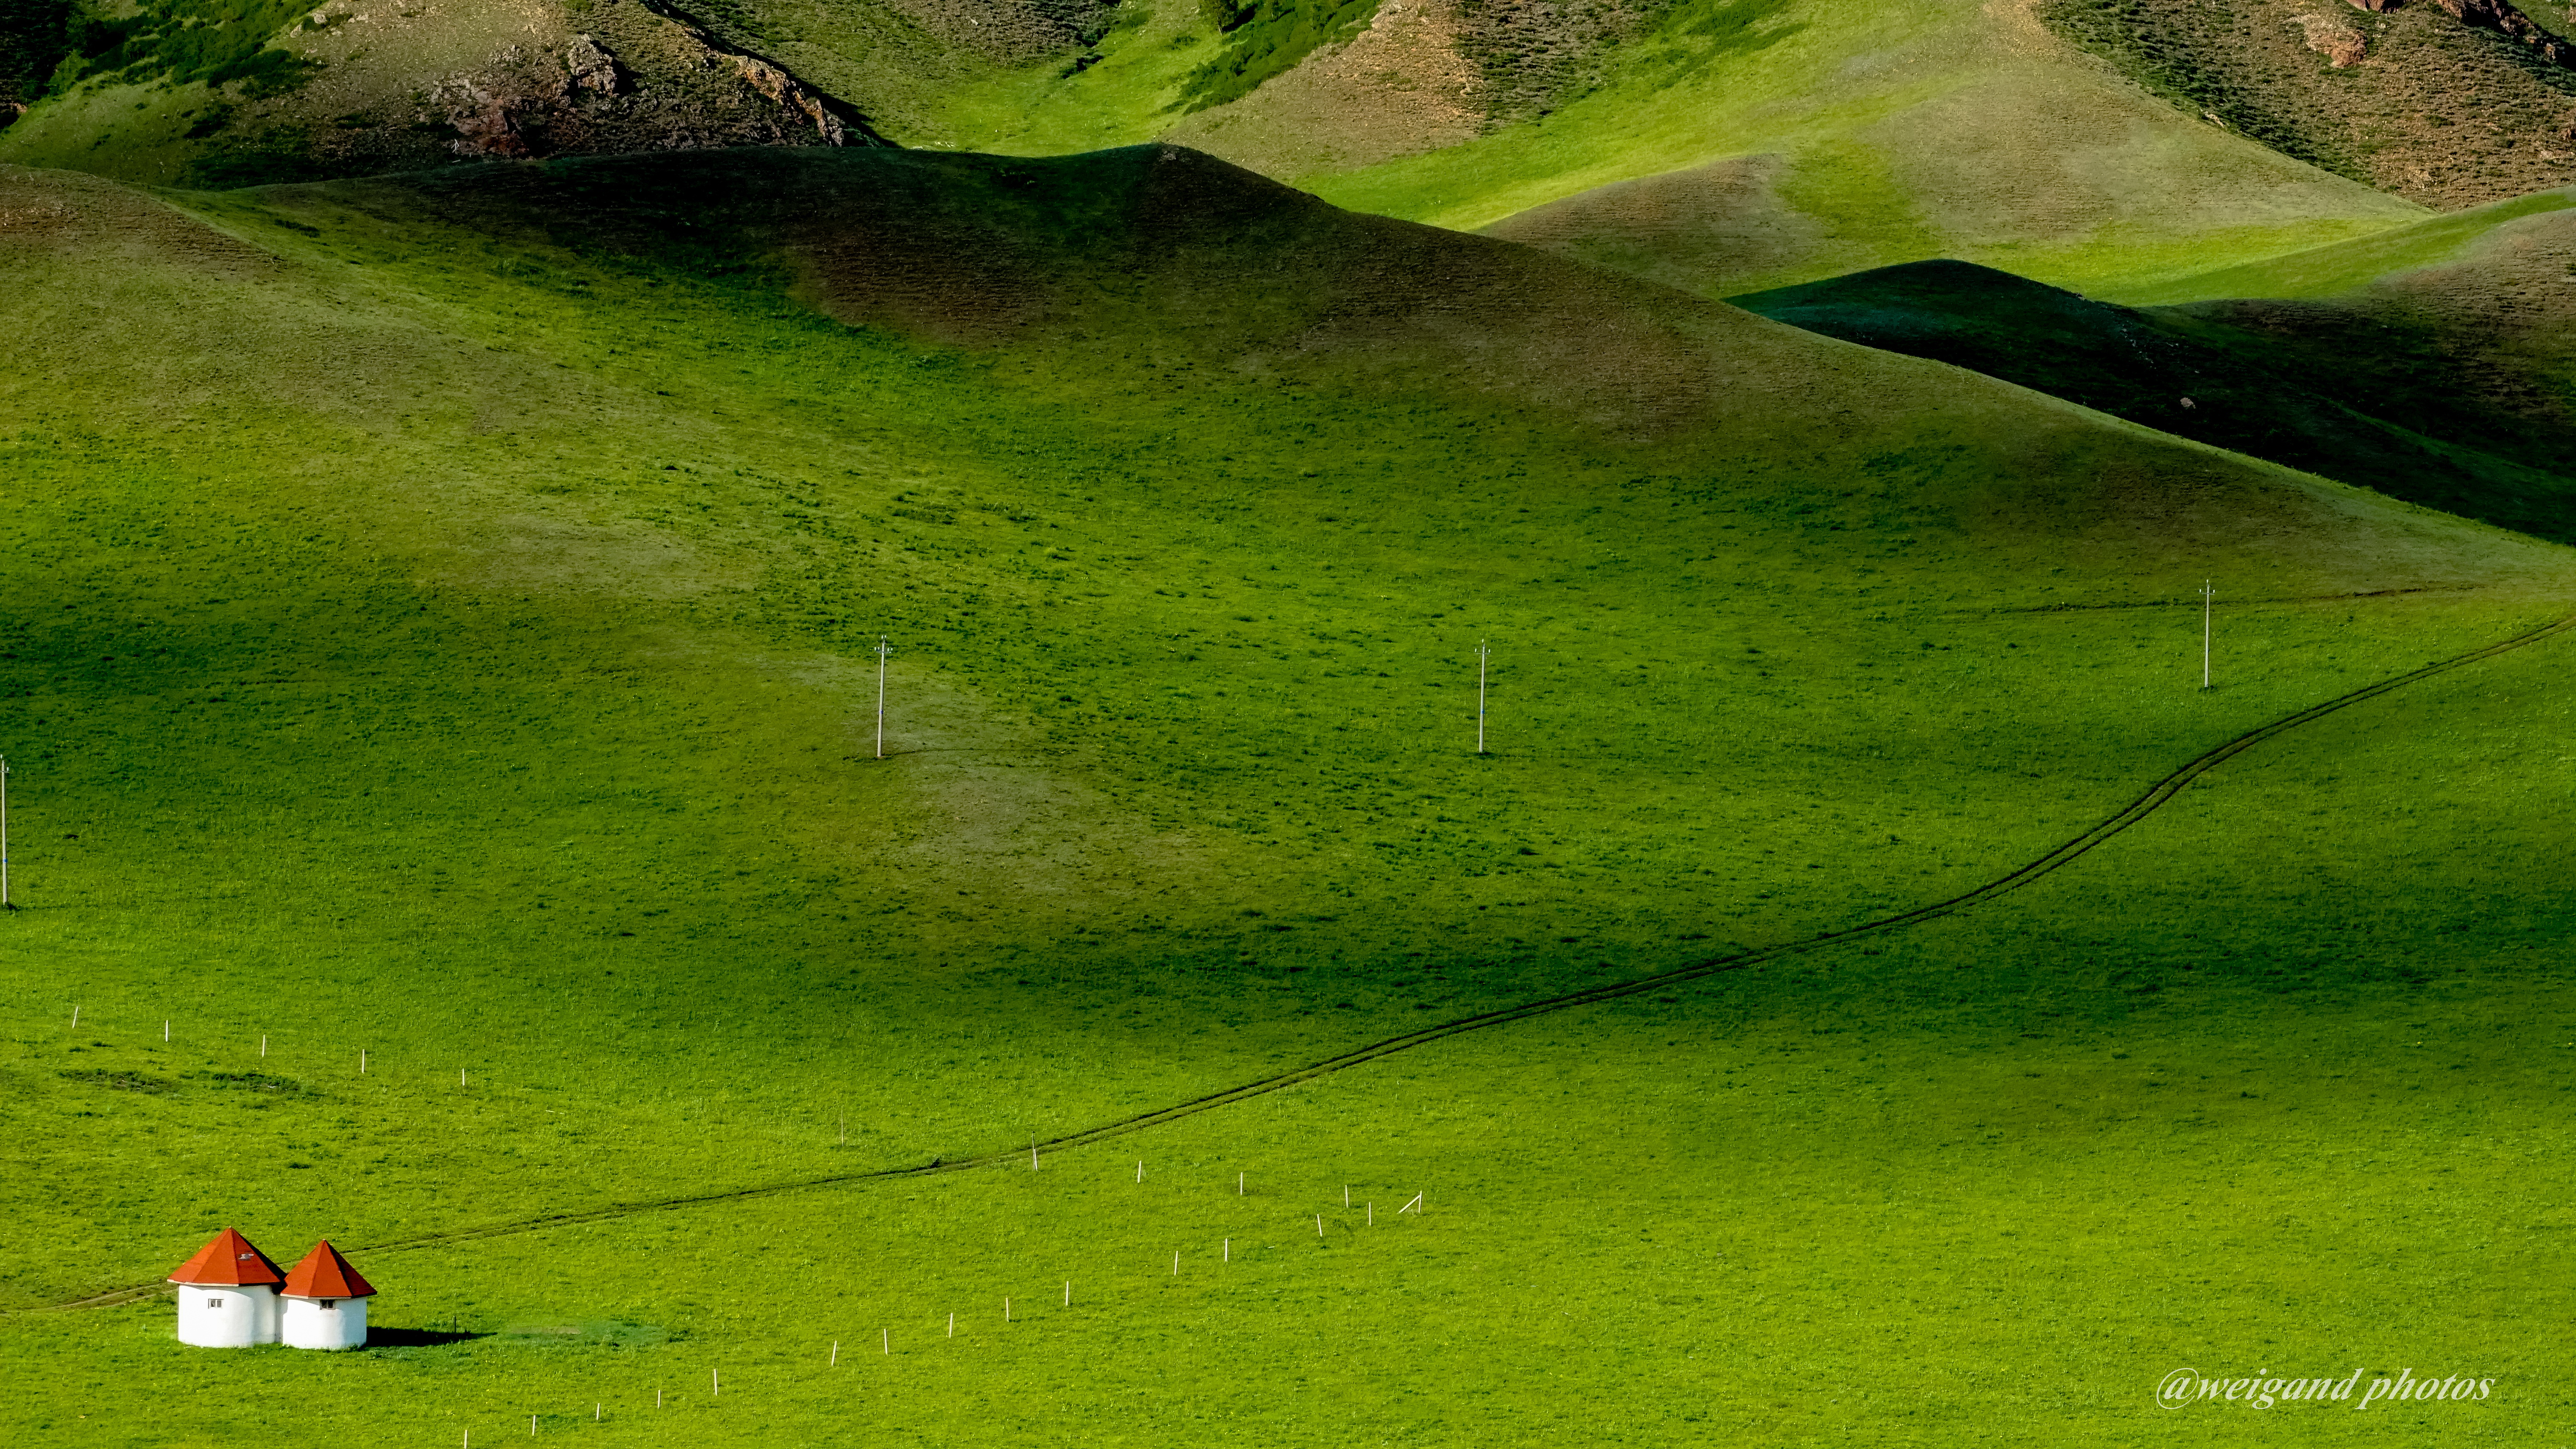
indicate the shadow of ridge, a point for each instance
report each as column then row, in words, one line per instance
column 380, row 1337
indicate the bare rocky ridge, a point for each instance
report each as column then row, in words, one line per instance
column 394, row 87
column 675, row 87
column 583, row 99
column 2499, row 16
column 2490, row 14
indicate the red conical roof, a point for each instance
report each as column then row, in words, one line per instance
column 325, row 1274
column 230, row 1261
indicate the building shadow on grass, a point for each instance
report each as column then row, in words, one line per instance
column 382, row 1337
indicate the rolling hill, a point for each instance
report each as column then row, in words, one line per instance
column 445, row 623
column 1716, row 145
column 2429, row 362
column 2382, row 396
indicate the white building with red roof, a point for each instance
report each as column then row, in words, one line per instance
column 228, row 1294
column 326, row 1302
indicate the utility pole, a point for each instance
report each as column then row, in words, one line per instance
column 1483, row 654
column 2206, row 595
column 5, row 903
column 882, row 651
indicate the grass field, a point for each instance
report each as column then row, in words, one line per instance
column 452, row 644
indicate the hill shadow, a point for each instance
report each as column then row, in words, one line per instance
column 2365, row 394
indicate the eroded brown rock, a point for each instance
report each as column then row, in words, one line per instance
column 592, row 68
column 783, row 88
column 2339, row 43
column 2498, row 15
column 683, row 89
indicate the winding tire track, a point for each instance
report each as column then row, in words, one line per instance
column 2139, row 809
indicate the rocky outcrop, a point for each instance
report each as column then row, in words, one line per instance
column 683, row 89
column 2496, row 15
column 783, row 88
column 485, row 124
column 835, row 123
column 592, row 68
column 2338, row 42
column 503, row 109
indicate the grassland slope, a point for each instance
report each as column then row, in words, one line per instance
column 1155, row 256
column 443, row 626
column 2301, row 385
column 1659, row 138
column 1813, row 141
column 1150, row 256
column 2455, row 326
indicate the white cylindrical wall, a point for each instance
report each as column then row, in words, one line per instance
column 326, row 1323
column 219, row 1316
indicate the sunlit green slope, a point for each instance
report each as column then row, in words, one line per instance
column 1817, row 140
column 2459, row 240
column 1732, row 144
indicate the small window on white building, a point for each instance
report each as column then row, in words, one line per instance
column 331, row 1303
column 214, row 1303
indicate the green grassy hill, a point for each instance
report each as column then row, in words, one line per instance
column 2479, row 247
column 442, row 626
column 1724, row 145
column 1821, row 140
column 2430, row 361
column 2376, row 396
